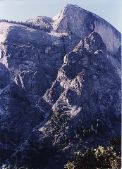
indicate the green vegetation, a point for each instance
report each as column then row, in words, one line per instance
column 30, row 25
column 70, row 165
column 100, row 158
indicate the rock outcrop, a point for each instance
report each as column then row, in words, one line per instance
column 59, row 87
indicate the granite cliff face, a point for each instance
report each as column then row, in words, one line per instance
column 59, row 87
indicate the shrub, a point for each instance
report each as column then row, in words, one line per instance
column 102, row 158
column 69, row 165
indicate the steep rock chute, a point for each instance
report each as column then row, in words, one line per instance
column 59, row 87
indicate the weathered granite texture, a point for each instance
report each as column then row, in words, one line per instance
column 59, row 87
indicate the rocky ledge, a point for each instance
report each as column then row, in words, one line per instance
column 59, row 87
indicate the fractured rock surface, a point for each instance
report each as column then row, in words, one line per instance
column 59, row 87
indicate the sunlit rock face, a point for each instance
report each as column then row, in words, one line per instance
column 80, row 22
column 59, row 77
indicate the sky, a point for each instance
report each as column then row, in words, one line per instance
column 21, row 10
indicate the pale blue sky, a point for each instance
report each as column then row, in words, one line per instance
column 25, row 9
